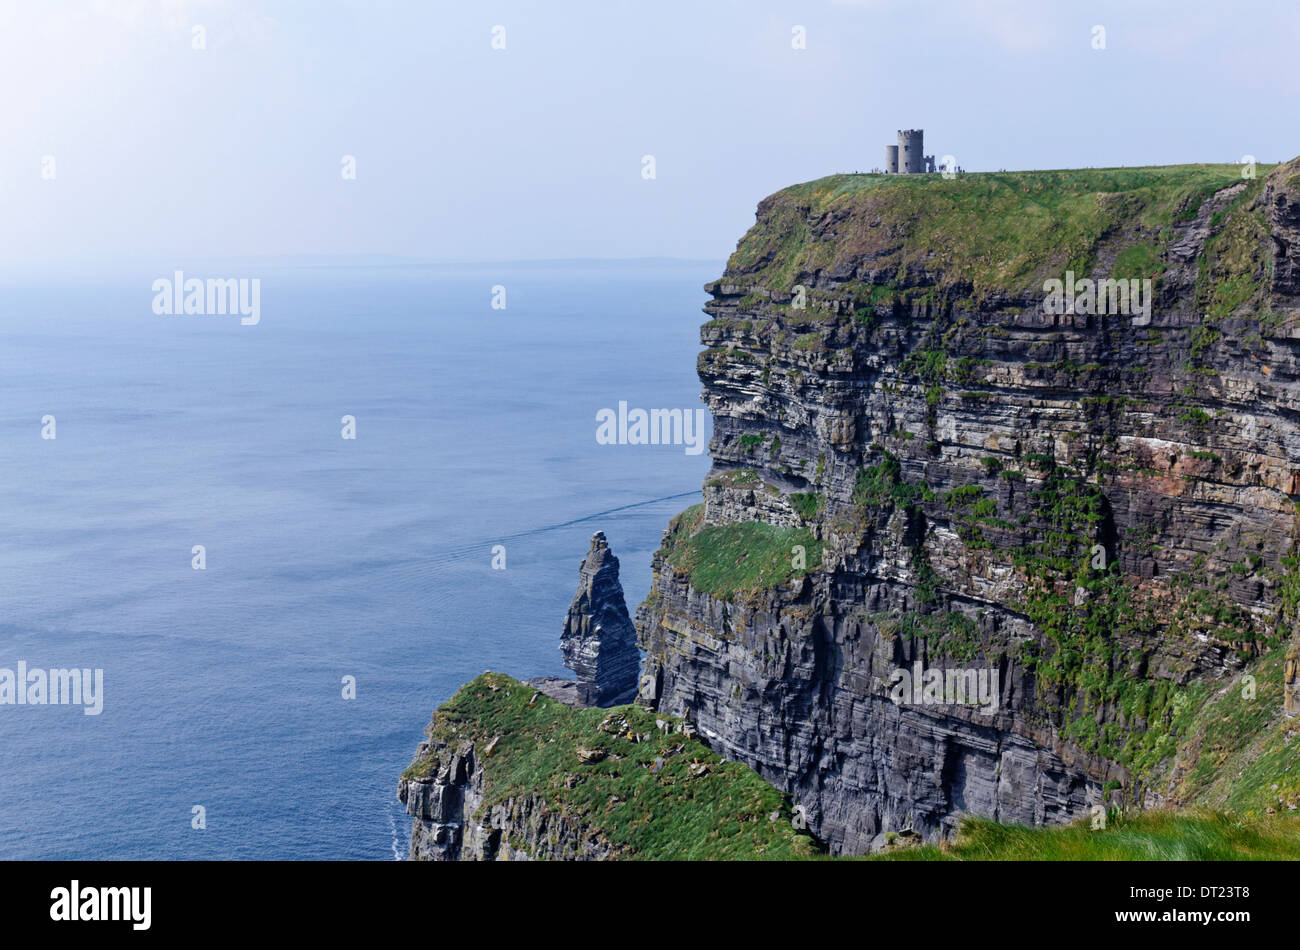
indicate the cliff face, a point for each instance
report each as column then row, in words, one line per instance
column 445, row 796
column 464, row 791
column 915, row 461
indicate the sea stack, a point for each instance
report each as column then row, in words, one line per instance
column 599, row 639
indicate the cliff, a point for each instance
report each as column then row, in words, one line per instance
column 930, row 470
column 508, row 773
column 916, row 461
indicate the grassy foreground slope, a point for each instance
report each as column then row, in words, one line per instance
column 1194, row 835
column 627, row 775
column 632, row 778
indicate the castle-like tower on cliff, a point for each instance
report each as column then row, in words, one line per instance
column 908, row 156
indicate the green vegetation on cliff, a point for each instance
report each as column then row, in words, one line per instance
column 883, row 485
column 633, row 779
column 1238, row 752
column 1131, row 616
column 1003, row 231
column 733, row 559
column 650, row 792
column 1093, row 665
column 1146, row 836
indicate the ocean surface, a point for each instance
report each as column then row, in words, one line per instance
column 325, row 557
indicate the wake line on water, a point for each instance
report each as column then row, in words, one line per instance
column 461, row 551
column 601, row 514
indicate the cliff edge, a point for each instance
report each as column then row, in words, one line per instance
column 923, row 466
column 508, row 773
column 1000, row 527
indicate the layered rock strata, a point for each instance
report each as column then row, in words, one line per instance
column 1096, row 507
column 599, row 640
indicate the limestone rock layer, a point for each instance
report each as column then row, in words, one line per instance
column 599, row 640
column 1095, row 506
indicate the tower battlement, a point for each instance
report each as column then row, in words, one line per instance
column 908, row 156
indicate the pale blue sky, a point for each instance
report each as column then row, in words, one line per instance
column 163, row 152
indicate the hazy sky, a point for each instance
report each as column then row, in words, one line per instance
column 465, row 152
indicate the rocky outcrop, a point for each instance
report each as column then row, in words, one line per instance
column 506, row 773
column 446, row 789
column 1097, row 508
column 599, row 639
column 449, row 822
column 561, row 690
column 1282, row 200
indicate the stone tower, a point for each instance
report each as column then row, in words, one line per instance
column 911, row 152
column 891, row 159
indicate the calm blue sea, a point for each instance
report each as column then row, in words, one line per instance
column 325, row 558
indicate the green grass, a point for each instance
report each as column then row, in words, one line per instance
column 1239, row 753
column 992, row 231
column 962, row 496
column 1234, row 261
column 727, row 560
column 1139, row 261
column 883, row 485
column 725, row 813
column 1148, row 836
column 948, row 633
column 808, row 504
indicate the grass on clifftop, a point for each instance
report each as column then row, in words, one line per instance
column 995, row 231
column 726, row 560
column 721, row 810
column 1147, row 836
